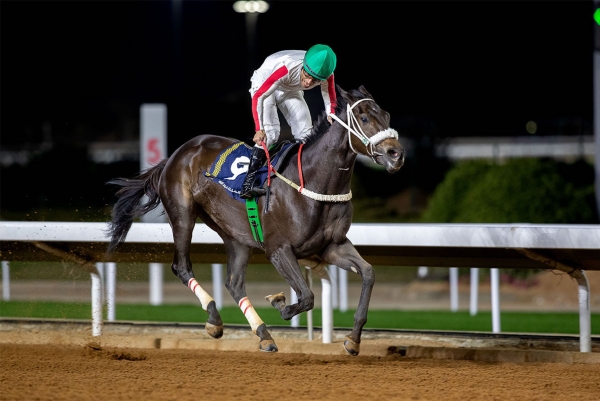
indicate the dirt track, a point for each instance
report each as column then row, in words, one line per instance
column 41, row 365
column 61, row 360
column 91, row 372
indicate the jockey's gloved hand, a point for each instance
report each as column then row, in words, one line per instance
column 259, row 137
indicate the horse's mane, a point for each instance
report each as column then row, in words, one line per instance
column 322, row 125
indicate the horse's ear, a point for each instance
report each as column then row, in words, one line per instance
column 364, row 91
column 345, row 95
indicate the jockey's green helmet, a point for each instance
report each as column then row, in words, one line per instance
column 319, row 62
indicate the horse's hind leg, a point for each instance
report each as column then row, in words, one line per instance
column 183, row 226
column 235, row 282
column 214, row 324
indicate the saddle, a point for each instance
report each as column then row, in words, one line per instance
column 230, row 167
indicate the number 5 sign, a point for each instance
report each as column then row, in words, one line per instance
column 153, row 146
column 153, row 134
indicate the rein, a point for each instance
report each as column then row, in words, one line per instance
column 354, row 129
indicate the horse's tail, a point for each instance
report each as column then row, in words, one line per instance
column 129, row 206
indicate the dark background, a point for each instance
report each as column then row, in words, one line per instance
column 75, row 72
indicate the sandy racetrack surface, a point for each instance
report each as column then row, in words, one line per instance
column 54, row 364
column 92, row 372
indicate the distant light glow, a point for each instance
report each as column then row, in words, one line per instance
column 597, row 16
column 251, row 6
column 531, row 127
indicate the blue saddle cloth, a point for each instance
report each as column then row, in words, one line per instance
column 230, row 167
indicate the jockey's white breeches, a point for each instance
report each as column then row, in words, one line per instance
column 294, row 109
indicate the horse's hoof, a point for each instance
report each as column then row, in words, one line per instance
column 268, row 346
column 351, row 347
column 214, row 331
column 275, row 299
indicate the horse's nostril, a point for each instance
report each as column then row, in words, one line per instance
column 393, row 153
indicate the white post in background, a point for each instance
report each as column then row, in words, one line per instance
column 333, row 275
column 100, row 268
column 155, row 272
column 454, row 289
column 5, row 280
column 474, row 290
column 153, row 148
column 111, row 288
column 295, row 322
column 309, row 314
column 322, row 271
column 585, row 324
column 343, row 289
column 495, row 283
column 217, row 279
column 326, row 307
column 96, row 304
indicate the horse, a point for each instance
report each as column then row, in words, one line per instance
column 299, row 226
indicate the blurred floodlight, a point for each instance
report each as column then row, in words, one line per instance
column 531, row 127
column 251, row 6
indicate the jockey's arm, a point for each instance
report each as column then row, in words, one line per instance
column 329, row 96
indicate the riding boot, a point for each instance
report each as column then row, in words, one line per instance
column 257, row 159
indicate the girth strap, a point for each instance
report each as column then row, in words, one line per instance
column 253, row 218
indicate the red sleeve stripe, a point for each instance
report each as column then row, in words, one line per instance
column 278, row 74
column 331, row 90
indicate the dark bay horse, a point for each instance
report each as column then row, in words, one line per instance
column 306, row 226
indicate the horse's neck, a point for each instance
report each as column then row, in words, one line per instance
column 327, row 164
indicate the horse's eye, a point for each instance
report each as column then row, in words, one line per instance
column 364, row 119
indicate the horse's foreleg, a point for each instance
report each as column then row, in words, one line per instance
column 347, row 257
column 237, row 261
column 277, row 300
column 286, row 264
column 318, row 267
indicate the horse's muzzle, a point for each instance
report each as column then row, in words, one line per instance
column 391, row 155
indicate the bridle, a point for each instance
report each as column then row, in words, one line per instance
column 354, row 128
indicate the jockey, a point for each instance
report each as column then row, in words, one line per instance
column 279, row 84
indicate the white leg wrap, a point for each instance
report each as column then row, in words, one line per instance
column 251, row 315
column 200, row 293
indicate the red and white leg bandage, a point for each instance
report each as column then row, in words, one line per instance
column 251, row 315
column 202, row 295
